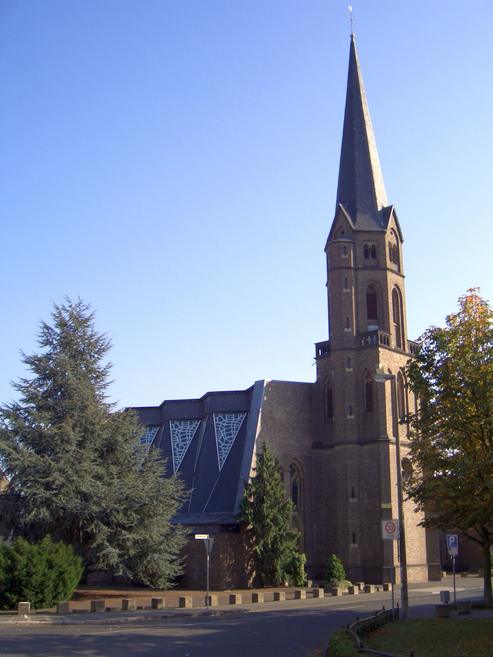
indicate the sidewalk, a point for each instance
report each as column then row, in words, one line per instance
column 113, row 615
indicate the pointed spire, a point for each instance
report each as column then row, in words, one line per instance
column 360, row 189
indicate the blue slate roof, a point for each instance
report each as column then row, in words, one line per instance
column 360, row 189
column 210, row 442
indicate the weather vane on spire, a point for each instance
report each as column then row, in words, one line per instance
column 351, row 20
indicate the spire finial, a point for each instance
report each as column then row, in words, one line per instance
column 351, row 20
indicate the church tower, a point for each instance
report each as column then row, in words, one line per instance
column 357, row 419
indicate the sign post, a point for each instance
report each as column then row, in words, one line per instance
column 391, row 532
column 208, row 544
column 453, row 550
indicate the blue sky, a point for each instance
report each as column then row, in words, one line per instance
column 174, row 163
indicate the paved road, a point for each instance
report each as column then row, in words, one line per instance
column 296, row 630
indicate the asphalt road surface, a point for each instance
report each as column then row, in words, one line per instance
column 299, row 629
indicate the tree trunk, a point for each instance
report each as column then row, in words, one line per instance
column 488, row 599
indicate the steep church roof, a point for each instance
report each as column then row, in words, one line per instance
column 360, row 189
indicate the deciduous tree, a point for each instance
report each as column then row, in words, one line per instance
column 452, row 440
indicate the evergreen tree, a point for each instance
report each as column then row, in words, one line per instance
column 268, row 514
column 76, row 468
column 452, row 440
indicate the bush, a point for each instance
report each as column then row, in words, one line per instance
column 296, row 569
column 335, row 572
column 342, row 645
column 43, row 573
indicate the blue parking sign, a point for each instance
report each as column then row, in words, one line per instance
column 452, row 541
column 453, row 545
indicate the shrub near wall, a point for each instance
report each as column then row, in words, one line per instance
column 43, row 573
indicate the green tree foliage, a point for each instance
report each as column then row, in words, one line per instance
column 43, row 574
column 452, row 441
column 75, row 465
column 335, row 572
column 268, row 514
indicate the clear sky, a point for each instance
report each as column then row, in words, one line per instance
column 174, row 163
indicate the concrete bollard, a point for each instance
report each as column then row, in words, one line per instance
column 360, row 585
column 336, row 590
column 63, row 607
column 157, row 603
column 97, row 606
column 442, row 611
column 129, row 604
column 309, row 583
column 299, row 594
column 185, row 602
column 318, row 593
column 24, row 609
column 211, row 600
column 387, row 586
column 279, row 596
column 464, row 607
column 235, row 598
column 353, row 590
column 257, row 597
column 369, row 588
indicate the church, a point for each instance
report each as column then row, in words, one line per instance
column 335, row 438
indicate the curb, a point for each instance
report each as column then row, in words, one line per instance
column 114, row 619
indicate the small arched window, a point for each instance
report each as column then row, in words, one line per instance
column 295, row 485
column 350, row 410
column 368, row 394
column 373, row 252
column 348, row 324
column 346, row 284
column 394, row 256
column 371, row 302
column 344, row 251
column 366, row 251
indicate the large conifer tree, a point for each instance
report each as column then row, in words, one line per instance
column 76, row 468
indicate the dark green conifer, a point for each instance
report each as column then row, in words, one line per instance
column 268, row 514
column 76, row 468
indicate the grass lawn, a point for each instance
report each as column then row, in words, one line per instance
column 444, row 637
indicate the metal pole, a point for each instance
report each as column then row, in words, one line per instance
column 392, row 582
column 402, row 533
column 453, row 572
column 207, row 596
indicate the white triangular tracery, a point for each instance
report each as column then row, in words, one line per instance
column 148, row 435
column 226, row 427
column 182, row 433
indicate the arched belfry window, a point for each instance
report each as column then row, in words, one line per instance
column 401, row 396
column 368, row 393
column 394, row 254
column 370, row 251
column 371, row 303
column 397, row 317
column 295, row 485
